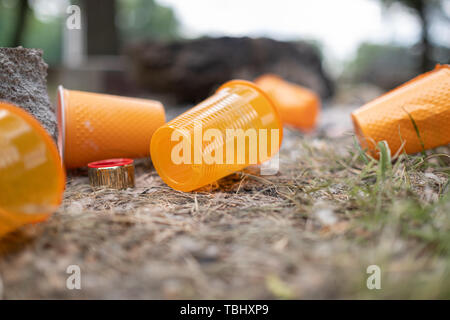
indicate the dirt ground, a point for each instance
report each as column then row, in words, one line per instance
column 311, row 231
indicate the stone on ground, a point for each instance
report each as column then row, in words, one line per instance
column 23, row 82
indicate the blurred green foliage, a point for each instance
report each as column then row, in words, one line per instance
column 389, row 65
column 141, row 19
column 43, row 34
column 384, row 65
column 417, row 5
column 423, row 10
column 135, row 19
column 46, row 36
column 369, row 54
column 7, row 21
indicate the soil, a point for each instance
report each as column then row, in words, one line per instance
column 310, row 231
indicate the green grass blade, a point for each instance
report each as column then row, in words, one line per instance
column 362, row 154
column 384, row 164
column 416, row 129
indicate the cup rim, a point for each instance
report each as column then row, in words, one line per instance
column 61, row 121
column 162, row 172
column 110, row 163
column 262, row 92
column 29, row 119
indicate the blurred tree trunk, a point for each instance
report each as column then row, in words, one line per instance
column 426, row 47
column 425, row 44
column 102, row 35
column 20, row 24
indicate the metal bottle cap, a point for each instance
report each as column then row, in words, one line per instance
column 112, row 173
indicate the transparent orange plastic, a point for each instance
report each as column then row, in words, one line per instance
column 298, row 106
column 32, row 177
column 238, row 106
column 95, row 126
column 424, row 99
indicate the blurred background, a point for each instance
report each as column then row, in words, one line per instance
column 180, row 51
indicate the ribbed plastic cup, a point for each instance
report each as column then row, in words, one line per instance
column 32, row 178
column 95, row 126
column 416, row 114
column 205, row 143
column 298, row 106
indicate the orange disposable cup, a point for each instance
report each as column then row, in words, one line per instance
column 236, row 127
column 421, row 105
column 96, row 126
column 298, row 106
column 32, row 177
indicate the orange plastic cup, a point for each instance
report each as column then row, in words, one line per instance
column 32, row 177
column 94, row 126
column 298, row 106
column 236, row 127
column 423, row 102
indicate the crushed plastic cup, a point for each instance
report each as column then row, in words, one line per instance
column 299, row 107
column 236, row 127
column 95, row 126
column 410, row 118
column 32, row 177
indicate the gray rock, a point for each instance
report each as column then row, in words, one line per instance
column 23, row 82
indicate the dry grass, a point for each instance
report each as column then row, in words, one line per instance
column 308, row 232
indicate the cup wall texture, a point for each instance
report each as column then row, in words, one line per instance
column 416, row 114
column 96, row 126
column 236, row 105
column 32, row 177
